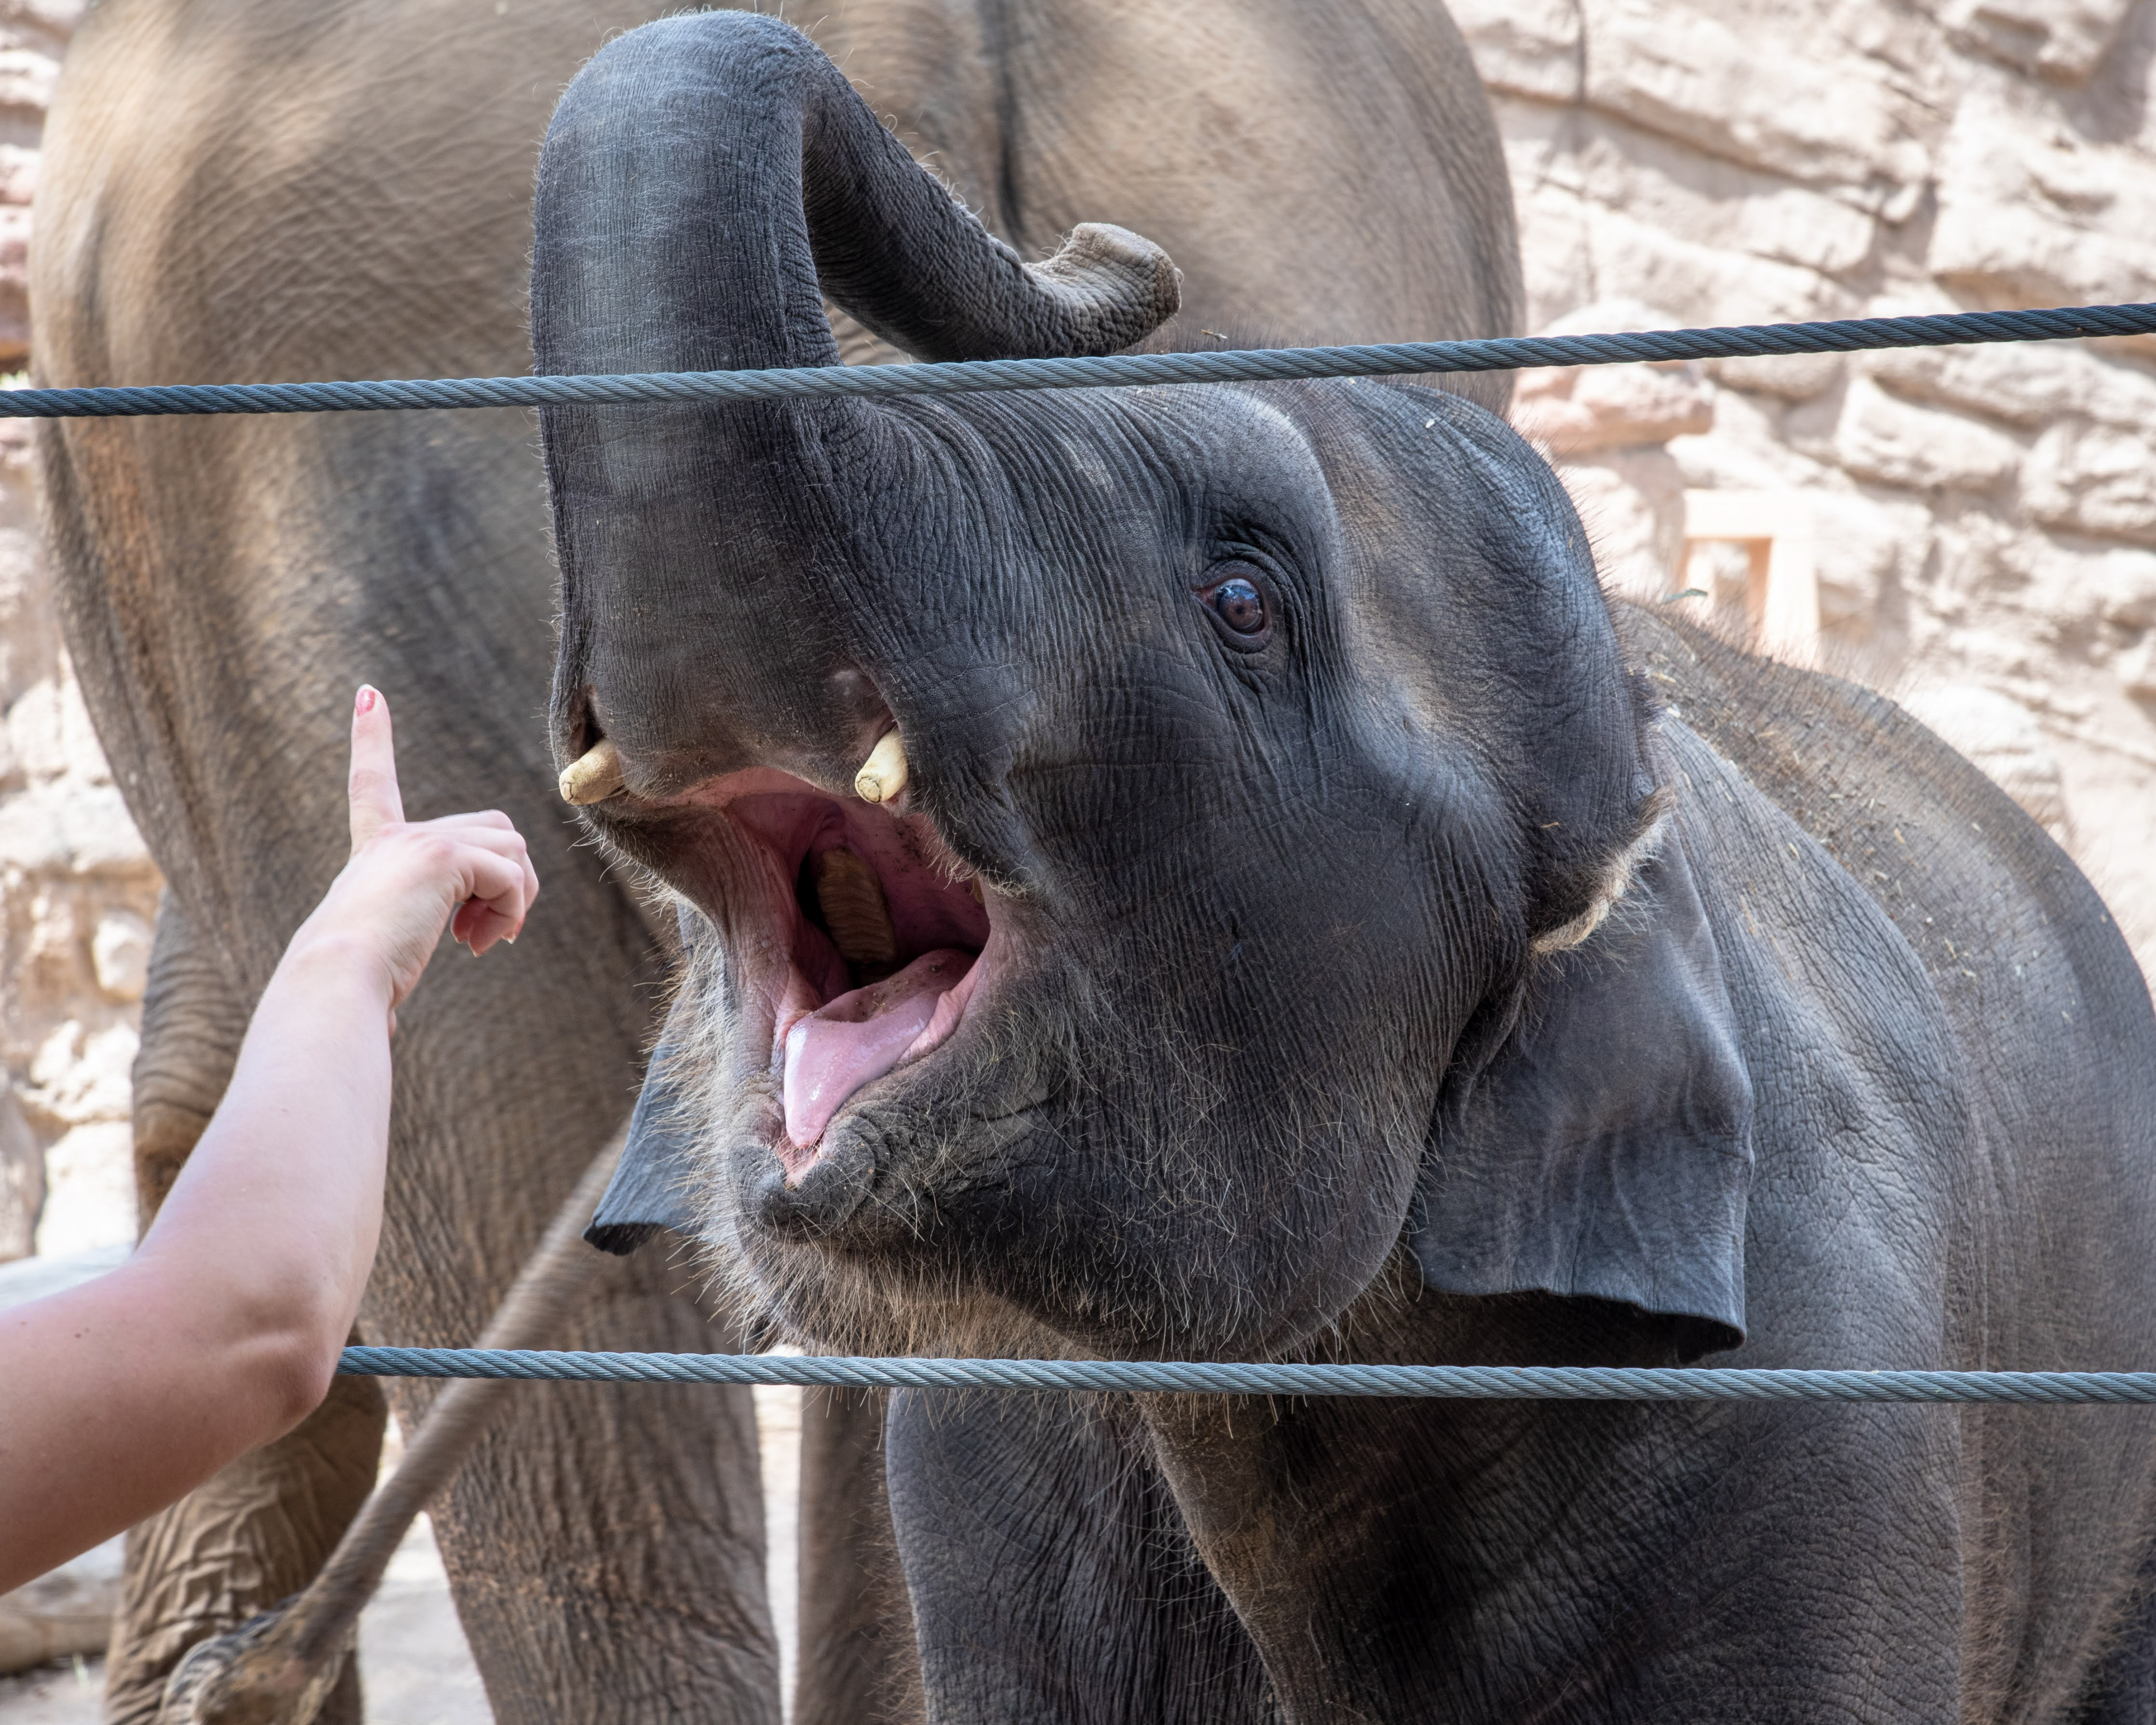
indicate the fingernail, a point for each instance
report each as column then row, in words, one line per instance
column 363, row 702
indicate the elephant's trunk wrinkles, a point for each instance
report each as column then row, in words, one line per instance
column 706, row 181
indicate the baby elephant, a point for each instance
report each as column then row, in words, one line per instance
column 1201, row 872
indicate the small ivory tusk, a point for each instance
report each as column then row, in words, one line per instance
column 593, row 776
column 882, row 776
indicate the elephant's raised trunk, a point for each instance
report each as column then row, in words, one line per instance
column 707, row 178
column 706, row 181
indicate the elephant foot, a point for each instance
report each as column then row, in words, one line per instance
column 254, row 1535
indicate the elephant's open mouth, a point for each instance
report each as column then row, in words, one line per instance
column 875, row 937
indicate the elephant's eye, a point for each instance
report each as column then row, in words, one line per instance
column 1238, row 605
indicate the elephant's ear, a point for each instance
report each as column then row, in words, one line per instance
column 1605, row 1150
column 648, row 1190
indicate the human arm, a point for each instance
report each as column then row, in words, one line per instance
column 222, row 1332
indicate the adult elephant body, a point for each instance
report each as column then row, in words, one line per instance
column 1202, row 872
column 244, row 190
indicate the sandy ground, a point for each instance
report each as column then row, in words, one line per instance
column 414, row 1660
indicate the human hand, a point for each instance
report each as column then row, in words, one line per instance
column 405, row 879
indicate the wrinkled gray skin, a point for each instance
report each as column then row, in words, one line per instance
column 1297, row 1027
column 261, row 189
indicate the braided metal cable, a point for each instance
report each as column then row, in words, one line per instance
column 1201, row 1378
column 1115, row 371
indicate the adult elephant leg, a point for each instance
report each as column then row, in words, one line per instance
column 260, row 1529
column 1050, row 1573
column 255, row 1534
column 856, row 1661
column 605, row 1542
column 192, row 1021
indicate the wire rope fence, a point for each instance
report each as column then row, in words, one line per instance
column 1120, row 371
column 1213, row 1377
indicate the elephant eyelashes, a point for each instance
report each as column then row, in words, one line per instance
column 1238, row 606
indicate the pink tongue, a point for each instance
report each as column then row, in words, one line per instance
column 858, row 1037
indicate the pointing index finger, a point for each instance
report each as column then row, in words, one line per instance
column 376, row 802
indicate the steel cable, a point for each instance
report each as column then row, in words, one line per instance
column 1203, row 1377
column 1114, row 371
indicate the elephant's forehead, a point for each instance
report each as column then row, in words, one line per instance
column 1233, row 424
column 1188, row 457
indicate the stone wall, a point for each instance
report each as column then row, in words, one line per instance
column 77, row 889
column 1984, row 519
column 1983, row 522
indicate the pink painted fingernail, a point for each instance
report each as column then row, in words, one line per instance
column 363, row 702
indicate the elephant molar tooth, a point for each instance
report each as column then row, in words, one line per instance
column 851, row 900
column 882, row 776
column 593, row 776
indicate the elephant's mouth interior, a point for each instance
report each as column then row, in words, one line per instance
column 881, row 926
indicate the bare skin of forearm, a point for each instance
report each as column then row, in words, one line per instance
column 217, row 1335
column 222, row 1332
